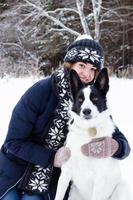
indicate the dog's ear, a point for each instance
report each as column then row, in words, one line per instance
column 75, row 83
column 102, row 81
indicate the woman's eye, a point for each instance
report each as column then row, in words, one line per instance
column 93, row 70
column 82, row 66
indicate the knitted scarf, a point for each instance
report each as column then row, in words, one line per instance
column 39, row 179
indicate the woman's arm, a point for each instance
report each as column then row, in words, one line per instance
column 124, row 148
column 24, row 117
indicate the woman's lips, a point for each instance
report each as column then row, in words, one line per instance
column 84, row 79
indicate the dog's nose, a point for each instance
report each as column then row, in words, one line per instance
column 86, row 111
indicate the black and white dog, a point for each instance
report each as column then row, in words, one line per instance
column 92, row 178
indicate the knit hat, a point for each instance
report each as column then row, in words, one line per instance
column 87, row 50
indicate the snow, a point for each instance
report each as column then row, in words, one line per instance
column 120, row 100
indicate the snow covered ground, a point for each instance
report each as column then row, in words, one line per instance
column 120, row 100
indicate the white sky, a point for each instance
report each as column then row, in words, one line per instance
column 120, row 100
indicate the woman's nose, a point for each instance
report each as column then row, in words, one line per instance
column 86, row 71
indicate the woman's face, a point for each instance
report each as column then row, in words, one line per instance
column 85, row 71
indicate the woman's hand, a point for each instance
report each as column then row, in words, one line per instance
column 100, row 147
column 61, row 156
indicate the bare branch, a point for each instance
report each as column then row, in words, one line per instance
column 25, row 19
column 110, row 11
column 56, row 21
column 96, row 11
column 80, row 6
column 109, row 21
column 11, row 44
column 63, row 9
column 124, row 7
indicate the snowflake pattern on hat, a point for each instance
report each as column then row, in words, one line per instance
column 72, row 53
column 85, row 55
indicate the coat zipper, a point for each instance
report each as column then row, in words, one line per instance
column 49, row 197
column 10, row 188
column 14, row 186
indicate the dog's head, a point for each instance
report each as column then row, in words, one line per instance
column 89, row 101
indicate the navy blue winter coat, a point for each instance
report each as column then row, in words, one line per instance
column 30, row 117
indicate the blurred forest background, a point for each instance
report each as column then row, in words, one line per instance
column 35, row 34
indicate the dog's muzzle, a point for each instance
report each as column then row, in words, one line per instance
column 87, row 113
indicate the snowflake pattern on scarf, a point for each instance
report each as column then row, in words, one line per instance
column 40, row 177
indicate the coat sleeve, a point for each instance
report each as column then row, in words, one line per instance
column 24, row 116
column 124, row 148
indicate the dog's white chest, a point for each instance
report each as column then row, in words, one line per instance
column 88, row 174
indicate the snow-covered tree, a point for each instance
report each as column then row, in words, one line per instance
column 39, row 31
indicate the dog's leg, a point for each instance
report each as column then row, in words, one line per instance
column 74, row 194
column 63, row 183
column 121, row 192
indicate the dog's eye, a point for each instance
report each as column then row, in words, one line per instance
column 80, row 100
column 95, row 98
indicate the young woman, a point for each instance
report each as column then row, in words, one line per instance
column 32, row 153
